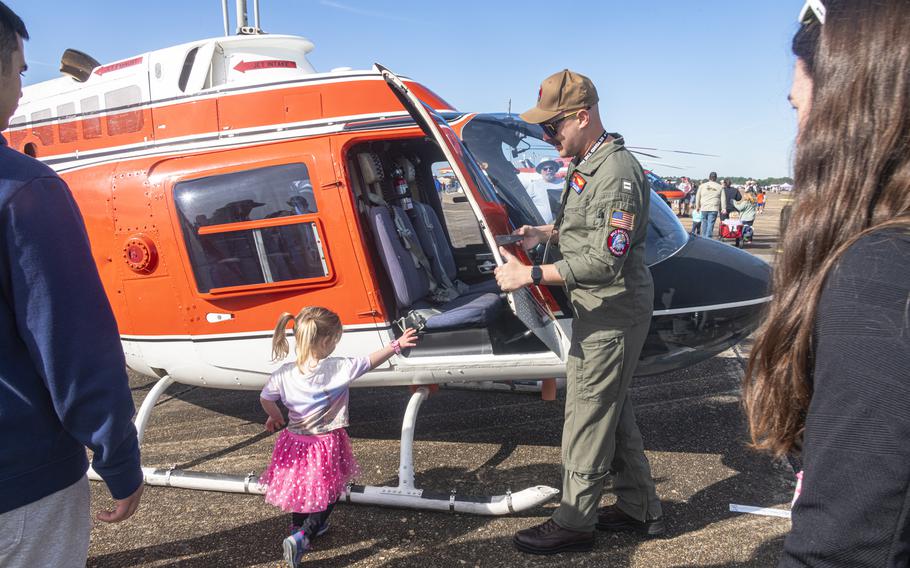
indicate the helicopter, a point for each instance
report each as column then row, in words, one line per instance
column 224, row 181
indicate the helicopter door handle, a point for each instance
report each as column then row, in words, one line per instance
column 503, row 240
column 486, row 267
column 372, row 313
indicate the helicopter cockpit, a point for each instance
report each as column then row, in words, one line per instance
column 508, row 146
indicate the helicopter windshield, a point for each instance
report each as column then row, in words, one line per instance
column 528, row 175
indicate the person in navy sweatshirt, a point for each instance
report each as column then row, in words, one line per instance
column 63, row 384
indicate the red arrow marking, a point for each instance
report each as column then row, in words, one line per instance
column 245, row 66
column 118, row 66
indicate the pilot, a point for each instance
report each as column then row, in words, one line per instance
column 600, row 231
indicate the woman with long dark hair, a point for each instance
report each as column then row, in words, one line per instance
column 829, row 375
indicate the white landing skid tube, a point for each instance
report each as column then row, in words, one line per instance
column 405, row 495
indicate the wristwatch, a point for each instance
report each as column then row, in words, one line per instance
column 536, row 274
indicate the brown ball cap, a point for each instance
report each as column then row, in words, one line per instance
column 561, row 92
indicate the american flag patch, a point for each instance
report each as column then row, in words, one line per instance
column 622, row 220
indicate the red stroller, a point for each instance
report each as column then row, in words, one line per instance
column 732, row 232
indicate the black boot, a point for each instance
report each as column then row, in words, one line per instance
column 613, row 519
column 550, row 538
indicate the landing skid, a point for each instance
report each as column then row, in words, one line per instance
column 404, row 495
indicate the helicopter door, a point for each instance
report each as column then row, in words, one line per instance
column 527, row 303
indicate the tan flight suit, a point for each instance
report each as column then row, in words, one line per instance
column 602, row 229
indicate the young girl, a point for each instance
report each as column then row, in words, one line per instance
column 312, row 460
column 696, row 223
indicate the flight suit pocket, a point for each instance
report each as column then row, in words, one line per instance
column 599, row 367
column 596, row 219
column 12, row 525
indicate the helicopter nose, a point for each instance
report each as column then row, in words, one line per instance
column 708, row 296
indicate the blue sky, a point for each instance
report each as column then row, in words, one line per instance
column 700, row 75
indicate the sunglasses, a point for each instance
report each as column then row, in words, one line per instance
column 551, row 128
column 812, row 8
column 548, row 169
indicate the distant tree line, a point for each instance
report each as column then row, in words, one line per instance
column 763, row 181
column 736, row 180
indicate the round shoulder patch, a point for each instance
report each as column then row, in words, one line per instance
column 618, row 242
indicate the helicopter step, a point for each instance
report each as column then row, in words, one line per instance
column 405, row 495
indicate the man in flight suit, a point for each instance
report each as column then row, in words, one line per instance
column 601, row 231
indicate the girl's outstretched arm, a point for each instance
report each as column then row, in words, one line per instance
column 275, row 421
column 407, row 339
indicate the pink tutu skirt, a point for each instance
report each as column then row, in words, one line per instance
column 307, row 473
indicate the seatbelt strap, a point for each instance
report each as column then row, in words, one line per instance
column 413, row 247
column 453, row 288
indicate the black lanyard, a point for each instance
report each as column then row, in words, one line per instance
column 593, row 148
column 565, row 190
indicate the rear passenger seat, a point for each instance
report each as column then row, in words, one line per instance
column 435, row 244
column 412, row 282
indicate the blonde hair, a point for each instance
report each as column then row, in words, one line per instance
column 312, row 325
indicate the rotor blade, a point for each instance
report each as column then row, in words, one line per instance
column 662, row 165
column 645, row 154
column 674, row 151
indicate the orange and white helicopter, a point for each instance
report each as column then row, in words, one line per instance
column 224, row 181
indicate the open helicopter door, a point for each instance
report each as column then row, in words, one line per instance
column 528, row 304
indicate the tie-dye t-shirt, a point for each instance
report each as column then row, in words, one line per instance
column 317, row 401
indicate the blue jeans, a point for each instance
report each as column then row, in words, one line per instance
column 707, row 223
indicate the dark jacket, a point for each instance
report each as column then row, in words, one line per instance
column 63, row 384
column 854, row 509
column 731, row 194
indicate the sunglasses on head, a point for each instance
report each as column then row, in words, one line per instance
column 812, row 8
column 551, row 127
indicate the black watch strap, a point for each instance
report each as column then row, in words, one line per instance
column 536, row 274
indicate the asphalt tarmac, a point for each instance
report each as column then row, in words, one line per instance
column 472, row 442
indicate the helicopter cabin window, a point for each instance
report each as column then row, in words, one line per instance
column 187, row 68
column 459, row 217
column 67, row 131
column 251, row 227
column 123, row 121
column 44, row 132
column 91, row 125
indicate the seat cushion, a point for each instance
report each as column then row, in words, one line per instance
column 409, row 281
column 433, row 241
column 465, row 311
column 485, row 287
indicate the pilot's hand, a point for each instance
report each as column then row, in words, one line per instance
column 408, row 338
column 123, row 508
column 532, row 236
column 513, row 274
column 273, row 425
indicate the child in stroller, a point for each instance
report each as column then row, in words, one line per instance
column 732, row 229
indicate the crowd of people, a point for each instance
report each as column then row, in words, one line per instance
column 827, row 377
column 711, row 202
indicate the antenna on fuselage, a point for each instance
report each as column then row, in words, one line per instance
column 224, row 12
column 243, row 27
